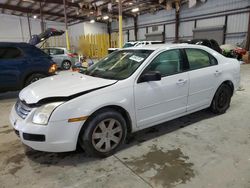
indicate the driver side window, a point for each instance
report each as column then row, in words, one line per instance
column 167, row 63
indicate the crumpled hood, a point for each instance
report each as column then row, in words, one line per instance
column 64, row 85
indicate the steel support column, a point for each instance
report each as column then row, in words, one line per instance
column 136, row 27
column 120, row 24
column 28, row 18
column 66, row 26
column 248, row 36
column 41, row 17
column 177, row 22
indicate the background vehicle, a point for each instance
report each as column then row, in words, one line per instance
column 22, row 64
column 134, row 44
column 205, row 42
column 61, row 56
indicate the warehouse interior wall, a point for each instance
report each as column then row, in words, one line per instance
column 85, row 28
column 21, row 31
column 233, row 14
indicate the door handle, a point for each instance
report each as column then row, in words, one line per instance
column 217, row 73
column 181, row 82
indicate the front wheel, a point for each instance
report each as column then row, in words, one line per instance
column 66, row 65
column 221, row 100
column 103, row 134
column 33, row 78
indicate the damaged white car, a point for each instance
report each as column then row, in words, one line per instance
column 127, row 91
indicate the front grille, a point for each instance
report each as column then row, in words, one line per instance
column 21, row 109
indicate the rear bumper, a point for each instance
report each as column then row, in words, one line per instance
column 59, row 136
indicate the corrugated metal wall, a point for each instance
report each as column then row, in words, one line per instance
column 210, row 14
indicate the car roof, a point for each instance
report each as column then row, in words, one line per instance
column 14, row 44
column 55, row 48
column 165, row 46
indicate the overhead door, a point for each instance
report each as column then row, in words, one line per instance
column 216, row 33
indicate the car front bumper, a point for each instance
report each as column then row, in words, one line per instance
column 57, row 136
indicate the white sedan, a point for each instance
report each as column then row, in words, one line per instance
column 127, row 91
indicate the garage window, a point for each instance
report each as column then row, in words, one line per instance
column 167, row 63
column 199, row 59
column 10, row 53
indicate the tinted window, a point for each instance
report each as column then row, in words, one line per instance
column 9, row 53
column 55, row 51
column 197, row 58
column 167, row 63
column 127, row 45
column 46, row 50
column 34, row 52
column 213, row 61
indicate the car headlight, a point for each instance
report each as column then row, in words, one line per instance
column 43, row 113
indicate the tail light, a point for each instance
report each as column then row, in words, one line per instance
column 71, row 55
column 53, row 68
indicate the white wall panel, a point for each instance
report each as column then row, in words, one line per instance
column 160, row 16
column 141, row 34
column 131, row 34
column 237, row 23
column 186, row 29
column 210, row 22
column 169, row 30
column 16, row 29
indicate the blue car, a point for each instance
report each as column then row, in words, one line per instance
column 22, row 64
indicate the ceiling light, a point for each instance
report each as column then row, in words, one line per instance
column 35, row 16
column 105, row 17
column 29, row 1
column 135, row 9
column 92, row 21
column 130, row 3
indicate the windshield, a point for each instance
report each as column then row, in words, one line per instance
column 127, row 45
column 118, row 65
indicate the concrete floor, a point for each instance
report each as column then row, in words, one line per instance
column 197, row 151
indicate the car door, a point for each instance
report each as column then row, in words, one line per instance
column 57, row 55
column 158, row 101
column 11, row 63
column 203, row 75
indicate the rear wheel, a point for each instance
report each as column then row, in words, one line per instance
column 104, row 133
column 33, row 78
column 222, row 99
column 66, row 65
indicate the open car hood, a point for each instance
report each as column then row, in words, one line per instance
column 62, row 88
column 50, row 32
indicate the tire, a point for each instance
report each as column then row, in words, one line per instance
column 33, row 78
column 93, row 138
column 222, row 99
column 66, row 65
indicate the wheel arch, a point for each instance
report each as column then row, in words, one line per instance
column 30, row 74
column 120, row 109
column 230, row 84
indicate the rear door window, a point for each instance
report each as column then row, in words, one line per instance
column 10, row 53
column 46, row 50
column 199, row 59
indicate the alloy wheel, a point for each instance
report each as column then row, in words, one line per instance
column 107, row 135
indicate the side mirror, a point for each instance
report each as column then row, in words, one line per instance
column 150, row 76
